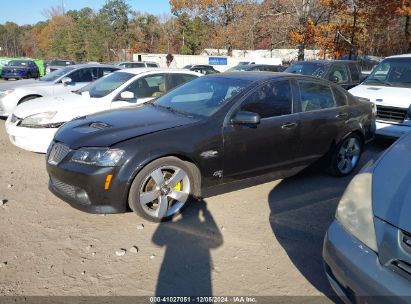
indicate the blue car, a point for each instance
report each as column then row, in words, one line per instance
column 19, row 69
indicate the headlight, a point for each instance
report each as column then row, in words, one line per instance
column 354, row 211
column 37, row 120
column 102, row 157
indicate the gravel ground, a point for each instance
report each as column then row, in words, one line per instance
column 262, row 240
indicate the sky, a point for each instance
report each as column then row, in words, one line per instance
column 31, row 11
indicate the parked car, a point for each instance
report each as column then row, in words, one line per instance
column 346, row 73
column 215, row 129
column 367, row 248
column 202, row 68
column 389, row 87
column 18, row 69
column 3, row 62
column 33, row 124
column 256, row 67
column 58, row 64
column 61, row 81
column 139, row 64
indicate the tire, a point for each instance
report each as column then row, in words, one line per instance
column 163, row 188
column 27, row 98
column 6, row 79
column 346, row 156
column 28, row 76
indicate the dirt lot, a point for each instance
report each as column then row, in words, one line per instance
column 261, row 240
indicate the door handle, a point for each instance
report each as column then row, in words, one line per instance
column 342, row 115
column 289, row 125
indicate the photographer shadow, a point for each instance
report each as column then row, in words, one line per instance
column 187, row 265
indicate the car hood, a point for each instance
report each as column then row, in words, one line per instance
column 14, row 84
column 391, row 194
column 110, row 127
column 383, row 95
column 61, row 103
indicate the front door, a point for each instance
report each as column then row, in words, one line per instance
column 251, row 150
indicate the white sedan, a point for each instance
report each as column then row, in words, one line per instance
column 33, row 124
column 58, row 82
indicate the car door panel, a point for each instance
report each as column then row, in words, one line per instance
column 251, row 150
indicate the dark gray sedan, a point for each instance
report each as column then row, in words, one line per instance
column 367, row 249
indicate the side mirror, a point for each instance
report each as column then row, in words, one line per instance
column 66, row 81
column 246, row 118
column 126, row 95
column 334, row 79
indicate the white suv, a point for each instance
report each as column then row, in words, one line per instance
column 389, row 87
column 33, row 124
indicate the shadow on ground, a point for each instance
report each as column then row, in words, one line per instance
column 302, row 207
column 186, row 267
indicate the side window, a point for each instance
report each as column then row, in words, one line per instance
column 152, row 65
column 315, row 96
column 148, row 86
column 271, row 69
column 340, row 97
column 272, row 99
column 355, row 73
column 178, row 79
column 106, row 71
column 339, row 71
column 84, row 75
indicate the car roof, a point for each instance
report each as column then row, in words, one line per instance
column 93, row 65
column 158, row 70
column 401, row 56
column 262, row 76
column 326, row 61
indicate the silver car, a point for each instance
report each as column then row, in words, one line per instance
column 59, row 82
column 367, row 249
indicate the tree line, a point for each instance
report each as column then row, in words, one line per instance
column 334, row 27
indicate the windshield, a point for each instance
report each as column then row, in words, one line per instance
column 56, row 74
column 316, row 69
column 203, row 96
column 105, row 85
column 18, row 63
column 60, row 62
column 393, row 72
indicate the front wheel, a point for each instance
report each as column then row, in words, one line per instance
column 346, row 156
column 163, row 188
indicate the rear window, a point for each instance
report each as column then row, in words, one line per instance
column 315, row 96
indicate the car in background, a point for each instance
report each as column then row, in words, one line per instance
column 367, row 248
column 256, row 67
column 3, row 62
column 33, row 124
column 61, row 81
column 389, row 87
column 213, row 130
column 19, row 69
column 139, row 64
column 345, row 73
column 202, row 68
column 58, row 64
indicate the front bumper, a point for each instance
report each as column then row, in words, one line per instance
column 83, row 186
column 392, row 130
column 32, row 139
column 355, row 273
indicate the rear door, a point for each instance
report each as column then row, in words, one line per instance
column 322, row 119
column 270, row 145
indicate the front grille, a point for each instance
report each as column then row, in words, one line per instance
column 63, row 188
column 391, row 114
column 57, row 153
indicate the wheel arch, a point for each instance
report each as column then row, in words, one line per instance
column 28, row 97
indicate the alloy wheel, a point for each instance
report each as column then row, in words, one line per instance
column 348, row 155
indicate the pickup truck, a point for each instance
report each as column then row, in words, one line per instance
column 346, row 73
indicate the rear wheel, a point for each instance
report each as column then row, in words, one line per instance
column 346, row 156
column 163, row 188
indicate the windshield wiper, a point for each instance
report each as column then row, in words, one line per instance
column 379, row 80
column 169, row 108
